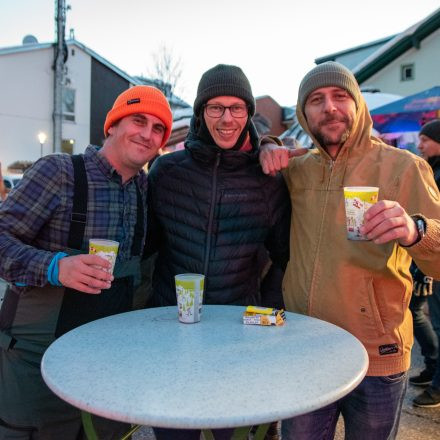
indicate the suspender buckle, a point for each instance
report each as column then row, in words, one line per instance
column 78, row 217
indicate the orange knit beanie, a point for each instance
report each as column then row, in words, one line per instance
column 141, row 99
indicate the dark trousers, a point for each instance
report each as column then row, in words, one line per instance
column 371, row 412
column 434, row 313
column 68, row 429
column 424, row 331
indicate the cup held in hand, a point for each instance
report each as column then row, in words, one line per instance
column 357, row 201
column 107, row 249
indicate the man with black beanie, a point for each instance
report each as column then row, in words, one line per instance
column 212, row 210
column 427, row 290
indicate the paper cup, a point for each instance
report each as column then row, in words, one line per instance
column 357, row 201
column 189, row 292
column 107, row 249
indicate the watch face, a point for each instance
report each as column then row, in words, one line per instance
column 421, row 227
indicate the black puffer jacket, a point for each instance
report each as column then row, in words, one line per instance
column 212, row 211
column 434, row 161
column 417, row 274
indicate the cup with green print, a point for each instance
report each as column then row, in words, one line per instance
column 189, row 292
column 107, row 249
column 357, row 201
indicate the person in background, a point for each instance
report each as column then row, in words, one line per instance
column 214, row 212
column 54, row 285
column 362, row 286
column 427, row 290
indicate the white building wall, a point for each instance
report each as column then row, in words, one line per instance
column 26, row 104
column 26, row 90
column 78, row 75
column 426, row 62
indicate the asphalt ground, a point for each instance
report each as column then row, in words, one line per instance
column 416, row 423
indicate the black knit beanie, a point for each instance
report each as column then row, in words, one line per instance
column 329, row 74
column 432, row 130
column 224, row 80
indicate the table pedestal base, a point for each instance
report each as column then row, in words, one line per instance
column 240, row 433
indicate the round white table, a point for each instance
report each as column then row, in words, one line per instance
column 145, row 367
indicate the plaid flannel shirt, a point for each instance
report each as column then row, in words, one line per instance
column 35, row 218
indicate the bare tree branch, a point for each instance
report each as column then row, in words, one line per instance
column 166, row 70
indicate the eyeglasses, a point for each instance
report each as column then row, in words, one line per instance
column 218, row 110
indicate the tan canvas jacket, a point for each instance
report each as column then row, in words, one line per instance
column 360, row 286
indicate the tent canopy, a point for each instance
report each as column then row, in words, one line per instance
column 407, row 114
column 426, row 101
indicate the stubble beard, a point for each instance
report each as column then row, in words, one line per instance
column 329, row 140
column 326, row 141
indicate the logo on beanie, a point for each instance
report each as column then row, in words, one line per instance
column 134, row 101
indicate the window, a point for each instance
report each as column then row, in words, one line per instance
column 67, row 146
column 407, row 72
column 69, row 104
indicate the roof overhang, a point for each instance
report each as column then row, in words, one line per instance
column 398, row 46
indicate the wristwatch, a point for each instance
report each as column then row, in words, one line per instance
column 421, row 227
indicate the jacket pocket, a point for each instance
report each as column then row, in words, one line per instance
column 373, row 308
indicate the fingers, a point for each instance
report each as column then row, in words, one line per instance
column 274, row 160
column 380, row 207
column 280, row 159
column 85, row 288
column 94, row 260
column 393, row 233
column 383, row 220
column 386, row 221
column 298, row 152
column 266, row 161
column 100, row 276
column 86, row 273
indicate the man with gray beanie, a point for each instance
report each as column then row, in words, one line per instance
column 213, row 211
column 362, row 286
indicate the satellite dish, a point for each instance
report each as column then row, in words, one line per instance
column 30, row 39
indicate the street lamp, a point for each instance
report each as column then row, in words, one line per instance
column 42, row 138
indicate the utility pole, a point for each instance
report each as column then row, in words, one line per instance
column 59, row 60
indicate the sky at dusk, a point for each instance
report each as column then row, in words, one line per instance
column 275, row 42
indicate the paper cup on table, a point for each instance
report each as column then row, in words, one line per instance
column 189, row 292
column 107, row 249
column 357, row 201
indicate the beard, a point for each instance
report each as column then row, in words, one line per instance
column 326, row 140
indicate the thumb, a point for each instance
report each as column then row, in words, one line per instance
column 92, row 259
column 298, row 152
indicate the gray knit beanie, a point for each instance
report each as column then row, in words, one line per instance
column 224, row 80
column 432, row 130
column 329, row 74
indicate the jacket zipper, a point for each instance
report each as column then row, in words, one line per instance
column 211, row 216
column 315, row 268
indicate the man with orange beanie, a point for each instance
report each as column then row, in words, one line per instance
column 54, row 284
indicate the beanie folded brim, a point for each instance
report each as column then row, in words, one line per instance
column 329, row 74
